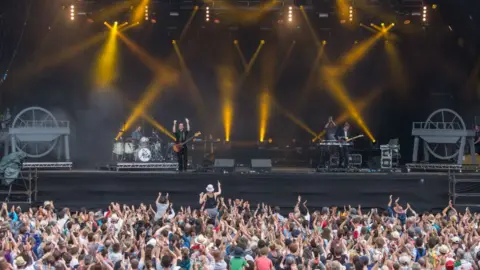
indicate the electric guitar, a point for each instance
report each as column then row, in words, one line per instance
column 178, row 146
column 354, row 138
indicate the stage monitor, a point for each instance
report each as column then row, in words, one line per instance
column 261, row 165
column 224, row 165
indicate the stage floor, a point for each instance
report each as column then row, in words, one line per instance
column 96, row 189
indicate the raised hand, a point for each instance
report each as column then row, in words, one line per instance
column 186, row 120
column 174, row 121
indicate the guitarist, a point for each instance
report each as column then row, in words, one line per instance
column 181, row 135
column 344, row 136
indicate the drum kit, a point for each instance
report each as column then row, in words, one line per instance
column 147, row 149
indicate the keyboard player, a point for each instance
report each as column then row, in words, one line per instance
column 330, row 130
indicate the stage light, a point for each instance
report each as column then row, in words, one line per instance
column 350, row 15
column 407, row 22
column 270, row 140
column 207, row 14
column 434, row 6
column 235, row 42
column 174, row 41
column 147, row 15
column 424, row 17
column 72, row 12
column 324, row 42
column 290, row 14
column 262, row 41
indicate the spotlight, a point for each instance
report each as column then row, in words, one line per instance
column 290, row 14
column 324, row 42
column 434, row 6
column 147, row 16
column 207, row 14
column 407, row 22
column 424, row 17
column 262, row 41
column 235, row 42
column 174, row 42
column 72, row 12
column 350, row 15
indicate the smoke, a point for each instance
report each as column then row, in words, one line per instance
column 97, row 126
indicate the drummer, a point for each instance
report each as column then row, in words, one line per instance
column 137, row 134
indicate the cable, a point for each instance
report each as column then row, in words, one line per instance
column 15, row 52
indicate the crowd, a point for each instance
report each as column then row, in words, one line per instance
column 223, row 234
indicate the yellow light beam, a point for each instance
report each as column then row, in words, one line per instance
column 164, row 76
column 57, row 58
column 226, row 78
column 189, row 22
column 284, row 63
column 246, row 16
column 292, row 117
column 139, row 12
column 254, row 57
column 194, row 90
column 360, row 105
column 150, row 95
column 240, row 53
column 37, row 66
column 149, row 119
column 157, row 125
column 309, row 25
column 356, row 54
column 302, row 97
column 106, row 69
column 337, row 90
column 264, row 113
column 369, row 28
column 397, row 71
column 112, row 11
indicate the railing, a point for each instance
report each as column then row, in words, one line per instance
column 436, row 125
column 42, row 124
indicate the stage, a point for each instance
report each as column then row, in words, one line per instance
column 96, row 189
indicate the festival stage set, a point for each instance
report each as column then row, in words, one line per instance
column 426, row 185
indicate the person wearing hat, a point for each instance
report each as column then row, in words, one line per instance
column 20, row 262
column 238, row 261
column 209, row 200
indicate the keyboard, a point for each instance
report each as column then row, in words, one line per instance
column 334, row 143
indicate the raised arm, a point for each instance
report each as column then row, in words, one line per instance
column 188, row 124
column 219, row 189
column 174, row 128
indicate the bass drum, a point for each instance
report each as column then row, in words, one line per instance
column 118, row 148
column 144, row 155
column 129, row 148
